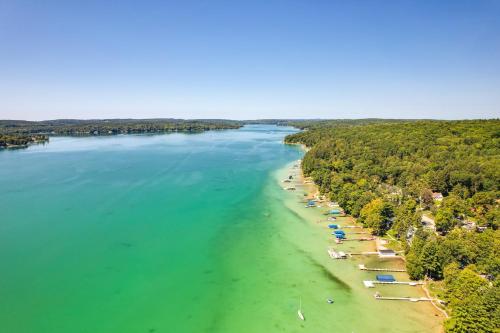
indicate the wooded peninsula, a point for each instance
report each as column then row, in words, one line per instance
column 433, row 186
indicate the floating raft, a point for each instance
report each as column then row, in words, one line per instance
column 364, row 268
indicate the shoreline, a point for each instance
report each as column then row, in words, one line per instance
column 429, row 316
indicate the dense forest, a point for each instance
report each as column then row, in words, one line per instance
column 112, row 126
column 388, row 174
column 20, row 133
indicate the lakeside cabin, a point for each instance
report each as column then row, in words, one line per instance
column 437, row 196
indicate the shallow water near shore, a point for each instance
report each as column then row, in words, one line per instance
column 178, row 233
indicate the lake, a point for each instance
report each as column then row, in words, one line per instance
column 173, row 233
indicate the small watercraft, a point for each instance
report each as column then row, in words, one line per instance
column 299, row 311
column 330, row 301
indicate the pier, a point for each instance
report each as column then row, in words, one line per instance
column 362, row 239
column 371, row 283
column 361, row 253
column 409, row 299
column 364, row 268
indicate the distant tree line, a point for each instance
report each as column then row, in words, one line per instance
column 20, row 133
column 387, row 174
column 112, row 126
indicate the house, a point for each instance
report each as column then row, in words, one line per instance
column 469, row 225
column 437, row 196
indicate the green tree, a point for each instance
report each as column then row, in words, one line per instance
column 444, row 220
column 405, row 218
column 377, row 215
column 426, row 198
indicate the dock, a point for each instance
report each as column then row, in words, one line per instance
column 382, row 254
column 361, row 253
column 410, row 299
column 371, row 283
column 361, row 239
column 364, row 268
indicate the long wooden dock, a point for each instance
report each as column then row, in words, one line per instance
column 410, row 299
column 362, row 239
column 360, row 253
column 371, row 283
column 364, row 268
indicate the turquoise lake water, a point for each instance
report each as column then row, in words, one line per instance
column 173, row 233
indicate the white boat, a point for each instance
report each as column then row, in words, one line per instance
column 299, row 311
column 337, row 255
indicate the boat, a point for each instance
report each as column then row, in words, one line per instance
column 330, row 301
column 337, row 255
column 299, row 311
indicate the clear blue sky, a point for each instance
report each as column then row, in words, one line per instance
column 250, row 59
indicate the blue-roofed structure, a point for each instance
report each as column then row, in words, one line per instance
column 385, row 278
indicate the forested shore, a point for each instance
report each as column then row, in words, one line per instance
column 112, row 126
column 20, row 133
column 21, row 140
column 388, row 174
